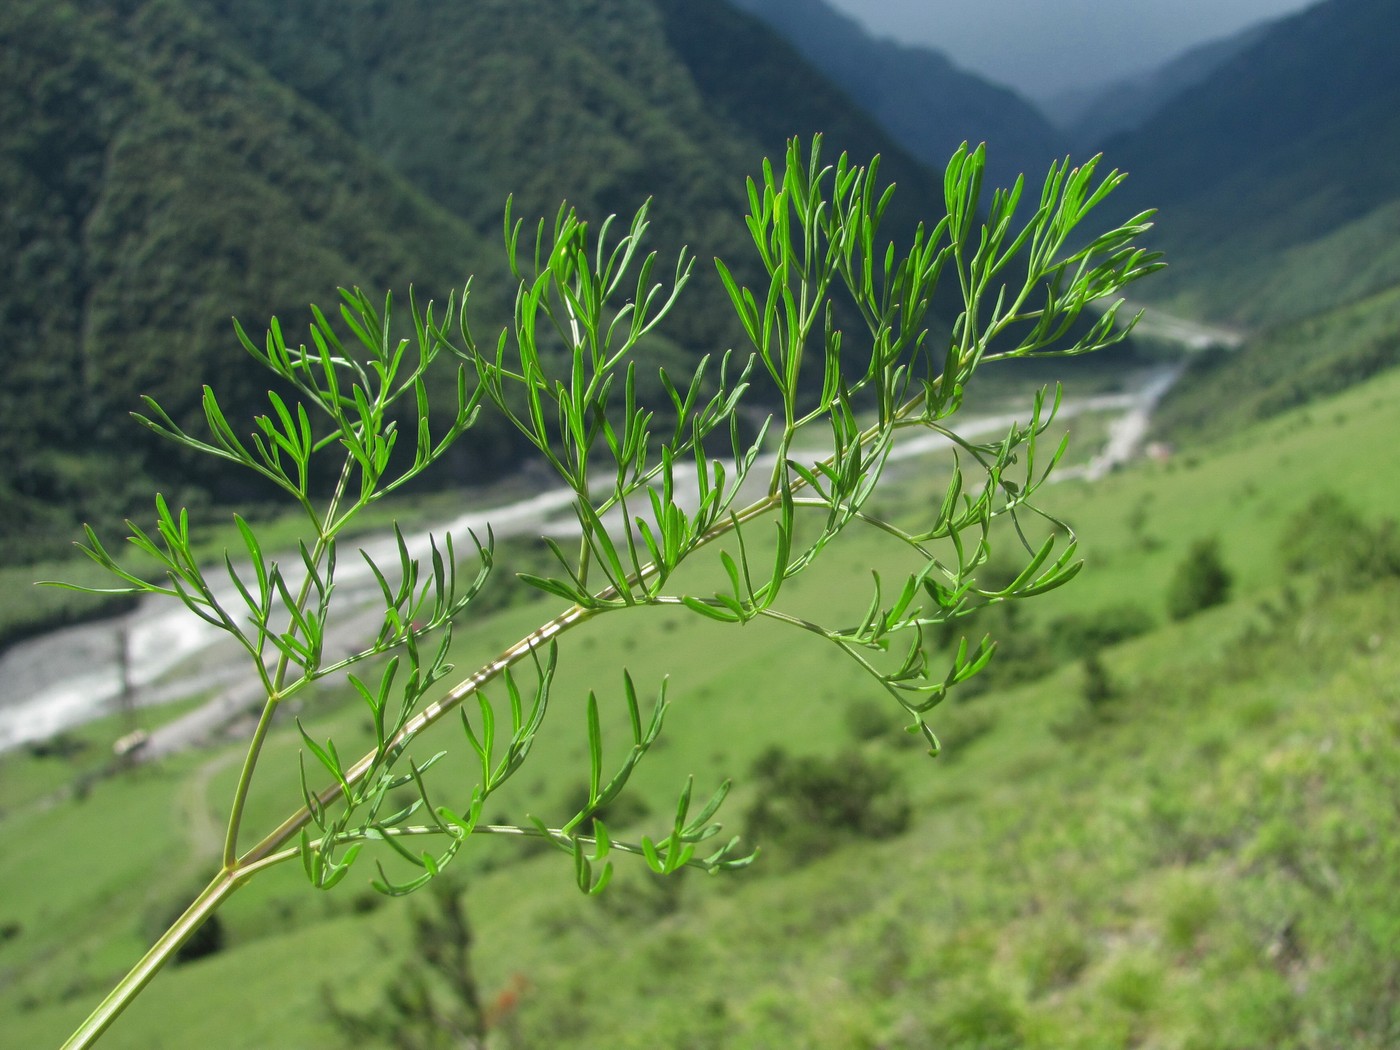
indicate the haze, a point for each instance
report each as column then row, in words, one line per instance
column 1044, row 50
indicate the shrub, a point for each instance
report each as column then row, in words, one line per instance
column 1080, row 634
column 1201, row 581
column 1097, row 687
column 808, row 806
column 1328, row 537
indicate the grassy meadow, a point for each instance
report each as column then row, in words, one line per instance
column 1192, row 853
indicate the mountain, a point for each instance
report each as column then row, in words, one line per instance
column 916, row 93
column 154, row 183
column 1278, row 175
column 168, row 163
column 1282, row 367
column 1089, row 116
column 605, row 104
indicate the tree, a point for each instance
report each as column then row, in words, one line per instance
column 650, row 492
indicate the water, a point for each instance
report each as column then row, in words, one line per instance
column 160, row 652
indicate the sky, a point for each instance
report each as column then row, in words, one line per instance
column 1051, row 46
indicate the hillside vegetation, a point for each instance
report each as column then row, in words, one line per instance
column 155, row 183
column 175, row 162
column 1178, row 849
column 1283, row 366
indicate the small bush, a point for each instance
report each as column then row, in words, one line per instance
column 1200, row 581
column 205, row 941
column 60, row 745
column 866, row 719
column 1080, row 634
column 809, row 805
column 1328, row 537
column 1098, row 687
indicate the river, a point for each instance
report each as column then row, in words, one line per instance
column 158, row 652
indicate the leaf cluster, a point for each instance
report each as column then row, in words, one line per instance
column 648, row 495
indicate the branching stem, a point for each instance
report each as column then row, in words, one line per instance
column 567, row 418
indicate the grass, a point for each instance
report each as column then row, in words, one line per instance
column 1194, row 864
column 69, row 764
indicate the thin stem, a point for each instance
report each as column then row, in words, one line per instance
column 141, row 974
column 245, row 780
column 552, row 834
column 528, row 645
column 325, row 533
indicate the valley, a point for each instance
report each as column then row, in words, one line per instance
column 159, row 654
column 1158, row 816
column 1161, row 838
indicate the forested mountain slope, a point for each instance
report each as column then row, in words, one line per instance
column 168, row 163
column 155, row 182
column 606, row 104
column 1278, row 176
column 917, row 93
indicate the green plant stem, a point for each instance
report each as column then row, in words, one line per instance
column 325, row 530
column 245, row 781
column 208, row 902
column 271, row 849
column 528, row 645
column 556, row 835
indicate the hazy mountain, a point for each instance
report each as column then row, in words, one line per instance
column 167, row 163
column 1278, row 175
column 1091, row 115
column 916, row 93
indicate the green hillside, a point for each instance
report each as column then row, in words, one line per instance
column 1283, row 366
column 1183, row 851
column 155, row 183
column 605, row 105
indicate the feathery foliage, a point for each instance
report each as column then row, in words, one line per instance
column 650, row 495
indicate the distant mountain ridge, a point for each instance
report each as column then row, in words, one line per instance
column 1091, row 116
column 1278, row 175
column 916, row 93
